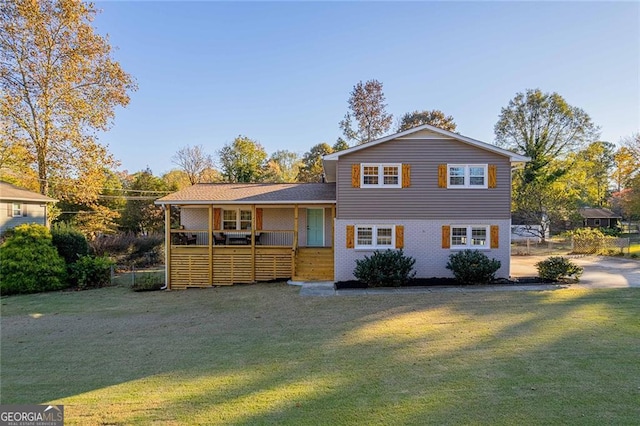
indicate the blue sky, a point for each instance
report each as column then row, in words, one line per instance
column 281, row 72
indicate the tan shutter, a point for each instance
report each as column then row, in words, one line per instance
column 495, row 237
column 446, row 236
column 399, row 236
column 351, row 240
column 355, row 175
column 406, row 175
column 217, row 213
column 24, row 210
column 258, row 219
column 493, row 169
column 442, row 176
column 10, row 209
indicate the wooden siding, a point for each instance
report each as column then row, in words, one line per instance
column 190, row 265
column 314, row 264
column 423, row 199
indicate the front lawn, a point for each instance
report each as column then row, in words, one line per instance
column 262, row 354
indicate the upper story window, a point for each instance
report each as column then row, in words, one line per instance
column 375, row 236
column 467, row 176
column 381, row 176
column 17, row 209
column 236, row 219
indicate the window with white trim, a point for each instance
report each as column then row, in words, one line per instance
column 470, row 236
column 375, row 236
column 381, row 176
column 236, row 219
column 17, row 209
column 467, row 176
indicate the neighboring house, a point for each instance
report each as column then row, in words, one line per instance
column 599, row 218
column 427, row 191
column 19, row 206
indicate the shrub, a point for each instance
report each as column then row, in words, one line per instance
column 70, row 242
column 385, row 268
column 589, row 240
column 91, row 272
column 29, row 263
column 129, row 248
column 473, row 267
column 557, row 267
column 148, row 282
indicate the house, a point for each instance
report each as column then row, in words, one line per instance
column 19, row 206
column 599, row 218
column 426, row 190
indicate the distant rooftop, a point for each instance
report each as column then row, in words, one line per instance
column 597, row 213
column 10, row 192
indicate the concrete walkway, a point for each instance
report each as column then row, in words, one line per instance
column 599, row 272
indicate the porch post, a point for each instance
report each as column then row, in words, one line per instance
column 253, row 243
column 167, row 245
column 210, row 238
column 294, row 247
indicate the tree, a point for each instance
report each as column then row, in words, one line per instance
column 434, row 118
column 588, row 173
column 311, row 170
column 282, row 166
column 175, row 180
column 140, row 215
column 194, row 162
column 59, row 85
column 625, row 167
column 543, row 127
column 632, row 143
column 340, row 145
column 243, row 160
column 367, row 108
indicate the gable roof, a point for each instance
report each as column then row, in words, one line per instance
column 598, row 213
column 10, row 192
column 248, row 193
column 331, row 158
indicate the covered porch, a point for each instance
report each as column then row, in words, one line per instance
column 233, row 241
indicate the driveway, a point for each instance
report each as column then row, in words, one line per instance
column 599, row 271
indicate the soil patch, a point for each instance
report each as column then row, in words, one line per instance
column 436, row 281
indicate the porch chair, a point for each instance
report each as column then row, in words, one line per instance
column 219, row 238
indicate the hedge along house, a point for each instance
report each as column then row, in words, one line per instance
column 19, row 206
column 427, row 191
column 244, row 233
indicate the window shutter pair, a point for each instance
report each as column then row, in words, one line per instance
column 351, row 237
column 355, row 175
column 494, row 235
column 492, row 180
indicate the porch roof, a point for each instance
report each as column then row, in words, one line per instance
column 253, row 193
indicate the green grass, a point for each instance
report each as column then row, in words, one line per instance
column 634, row 248
column 261, row 354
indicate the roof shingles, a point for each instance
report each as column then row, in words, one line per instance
column 234, row 193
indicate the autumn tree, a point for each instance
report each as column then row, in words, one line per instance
column 243, row 160
column 311, row 170
column 632, row 143
column 588, row 173
column 282, row 166
column 368, row 109
column 434, row 117
column 175, row 180
column 544, row 127
column 59, row 86
column 194, row 161
column 625, row 167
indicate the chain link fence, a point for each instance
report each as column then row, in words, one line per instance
column 560, row 246
column 138, row 279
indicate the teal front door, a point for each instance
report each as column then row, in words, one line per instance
column 315, row 227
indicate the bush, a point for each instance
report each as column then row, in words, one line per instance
column 148, row 282
column 91, row 272
column 70, row 242
column 385, row 268
column 473, row 267
column 557, row 267
column 129, row 248
column 589, row 241
column 29, row 263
